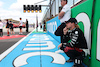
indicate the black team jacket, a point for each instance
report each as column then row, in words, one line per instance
column 76, row 37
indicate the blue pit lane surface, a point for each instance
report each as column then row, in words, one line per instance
column 34, row 50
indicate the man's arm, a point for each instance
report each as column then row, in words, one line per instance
column 59, row 31
column 61, row 14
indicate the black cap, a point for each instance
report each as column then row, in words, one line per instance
column 72, row 20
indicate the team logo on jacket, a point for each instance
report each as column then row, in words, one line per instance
column 76, row 32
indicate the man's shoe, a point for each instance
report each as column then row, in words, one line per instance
column 77, row 65
column 21, row 33
column 59, row 51
column 8, row 35
column 70, row 60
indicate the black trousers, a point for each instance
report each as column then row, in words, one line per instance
column 26, row 28
column 1, row 32
column 72, row 54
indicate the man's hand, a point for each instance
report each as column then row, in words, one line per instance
column 59, row 45
column 65, row 30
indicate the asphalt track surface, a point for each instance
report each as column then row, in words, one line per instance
column 7, row 43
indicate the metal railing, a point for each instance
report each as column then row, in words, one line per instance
column 55, row 8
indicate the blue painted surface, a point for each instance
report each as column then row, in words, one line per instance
column 34, row 61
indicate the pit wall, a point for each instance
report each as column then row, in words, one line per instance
column 88, row 17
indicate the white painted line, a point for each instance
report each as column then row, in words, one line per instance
column 32, row 38
column 36, row 44
column 36, row 41
column 49, row 45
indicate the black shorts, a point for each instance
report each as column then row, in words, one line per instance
column 7, row 27
column 1, row 30
column 20, row 27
